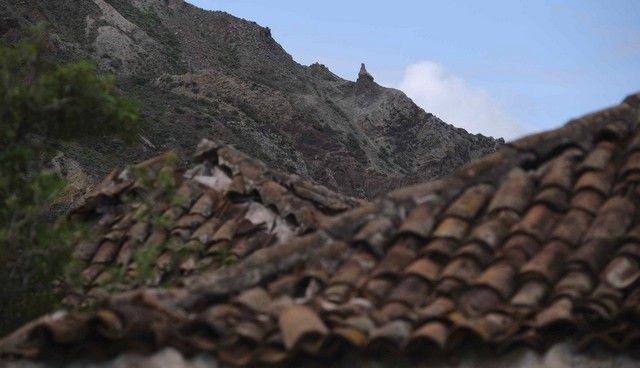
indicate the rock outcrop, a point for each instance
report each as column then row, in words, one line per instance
column 364, row 75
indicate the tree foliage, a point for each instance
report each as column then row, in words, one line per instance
column 40, row 100
column 57, row 100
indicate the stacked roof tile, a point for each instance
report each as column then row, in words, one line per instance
column 537, row 242
column 218, row 212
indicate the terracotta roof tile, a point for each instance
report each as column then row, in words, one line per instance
column 572, row 226
column 514, row 192
column 538, row 241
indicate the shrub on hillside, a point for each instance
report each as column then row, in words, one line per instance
column 40, row 99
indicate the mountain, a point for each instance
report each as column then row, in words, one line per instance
column 205, row 74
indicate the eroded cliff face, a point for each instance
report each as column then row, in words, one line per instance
column 209, row 74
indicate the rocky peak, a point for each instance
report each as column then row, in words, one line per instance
column 366, row 89
column 363, row 74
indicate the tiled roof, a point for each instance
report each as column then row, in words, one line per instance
column 218, row 212
column 535, row 243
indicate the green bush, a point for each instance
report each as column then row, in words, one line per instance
column 40, row 100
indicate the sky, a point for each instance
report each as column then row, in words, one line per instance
column 500, row 68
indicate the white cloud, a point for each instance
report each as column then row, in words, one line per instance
column 449, row 97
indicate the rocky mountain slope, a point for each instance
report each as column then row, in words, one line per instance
column 209, row 74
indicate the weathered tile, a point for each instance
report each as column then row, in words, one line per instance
column 106, row 252
column 499, row 277
column 217, row 180
column 126, row 253
column 548, row 263
column 411, row 290
column 588, row 200
column 493, row 231
column 189, row 221
column 631, row 248
column 395, row 261
column 85, row 250
column 226, row 231
column 139, row 231
column 377, row 288
column 574, row 284
column 422, row 218
column 356, row 266
column 157, row 238
column 463, row 269
column 476, row 250
column 203, row 206
column 572, row 226
column 186, row 195
column 531, row 294
column 237, row 187
column 392, row 309
column 519, row 248
column 470, row 202
column 440, row 248
column 599, row 157
column 207, row 230
column 376, row 233
column 338, row 293
column 560, row 171
column 451, row 227
column 425, row 268
column 537, row 222
column 554, row 198
column 91, row 272
column 514, row 192
column 593, row 254
column 284, row 285
column 558, row 313
column 436, row 309
column 433, row 332
column 613, row 219
column 600, row 181
column 394, row 334
column 622, row 272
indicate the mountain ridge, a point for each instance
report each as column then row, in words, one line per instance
column 205, row 73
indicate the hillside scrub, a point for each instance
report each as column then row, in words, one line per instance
column 39, row 101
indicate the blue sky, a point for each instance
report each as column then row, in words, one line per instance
column 494, row 67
